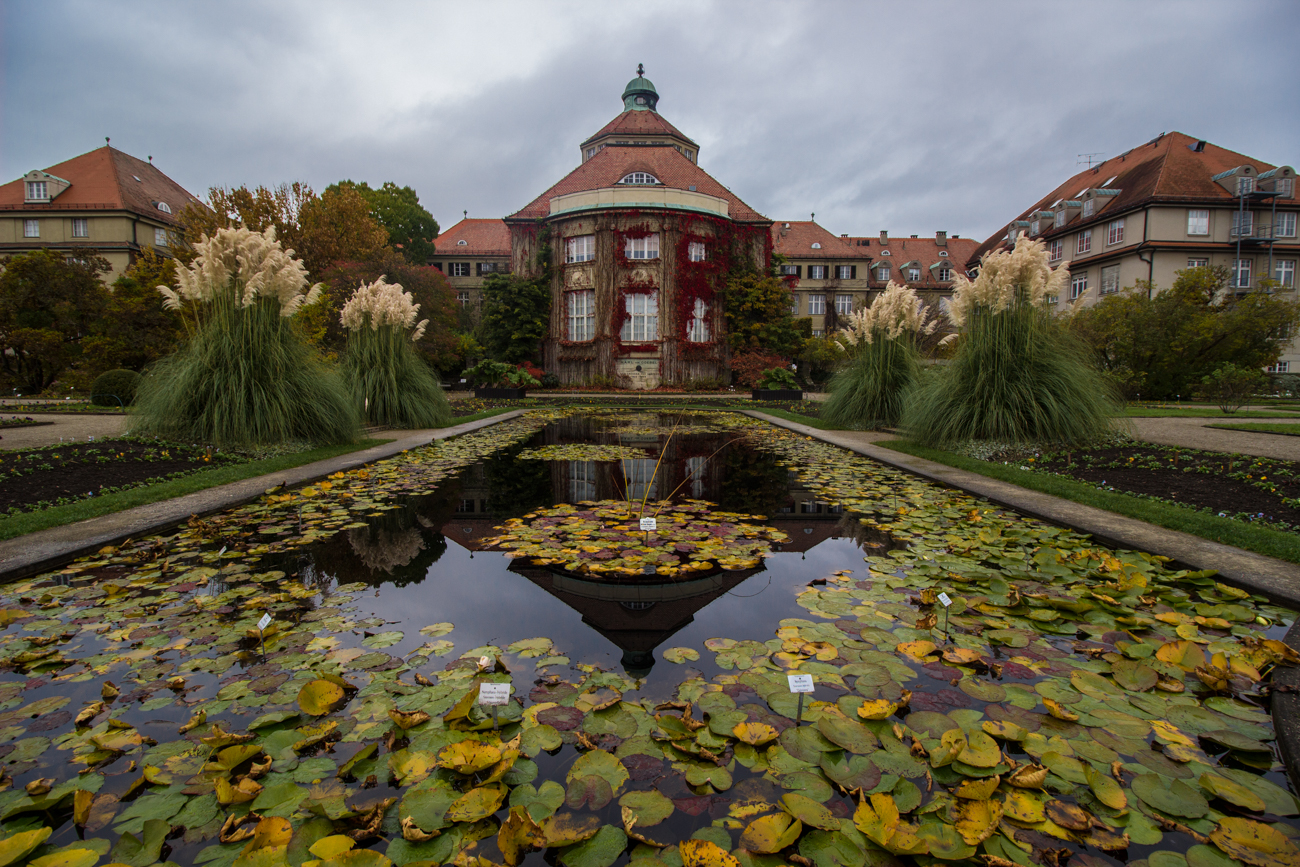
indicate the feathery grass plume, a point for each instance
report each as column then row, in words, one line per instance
column 246, row 375
column 1017, row 375
column 884, row 360
column 386, row 377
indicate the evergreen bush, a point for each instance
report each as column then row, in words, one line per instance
column 246, row 375
column 1017, row 374
column 114, row 388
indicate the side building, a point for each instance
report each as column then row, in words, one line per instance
column 104, row 202
column 467, row 253
column 1173, row 203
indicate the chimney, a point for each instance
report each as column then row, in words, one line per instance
column 884, row 237
column 914, row 236
column 941, row 239
column 845, row 235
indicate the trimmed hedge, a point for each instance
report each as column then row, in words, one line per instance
column 113, row 386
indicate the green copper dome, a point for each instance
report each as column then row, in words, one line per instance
column 640, row 93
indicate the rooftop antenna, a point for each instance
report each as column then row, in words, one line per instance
column 1088, row 159
column 464, row 215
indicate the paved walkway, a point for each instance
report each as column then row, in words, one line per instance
column 1195, row 433
column 63, row 427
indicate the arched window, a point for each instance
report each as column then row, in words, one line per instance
column 639, row 178
column 164, row 207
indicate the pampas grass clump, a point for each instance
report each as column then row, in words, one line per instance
column 1017, row 375
column 389, row 382
column 246, row 376
column 884, row 361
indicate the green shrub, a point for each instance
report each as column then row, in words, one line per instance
column 776, row 378
column 114, row 388
column 1231, row 386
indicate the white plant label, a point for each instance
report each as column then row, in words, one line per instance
column 945, row 599
column 801, row 683
column 264, row 622
column 493, row 693
column 649, row 523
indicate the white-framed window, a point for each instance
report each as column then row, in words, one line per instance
column 845, row 272
column 490, row 268
column 945, row 274
column 1284, row 187
column 816, row 272
column 1198, row 222
column 882, row 272
column 816, row 304
column 80, row 227
column 1088, row 206
column 643, row 248
column 789, row 270
column 1056, row 249
column 1034, row 226
column 458, row 269
column 37, row 191
column 581, row 248
column 697, row 330
column 640, row 478
column 462, row 243
column 462, row 297
column 816, row 245
column 1083, row 244
column 1243, row 222
column 31, row 228
column 639, row 179
column 1110, row 280
column 1241, row 273
column 695, row 472
column 817, row 332
column 913, row 274
column 794, row 303
column 642, row 325
column 159, row 237
column 164, row 207
column 884, row 252
column 1285, row 225
column 1245, row 185
column 581, row 313
column 1198, row 262
column 843, row 303
column 1059, row 220
column 1279, row 367
column 1284, row 272
column 582, row 481
column 591, row 152
column 1078, row 286
column 1115, row 232
column 696, row 252
column 1051, row 299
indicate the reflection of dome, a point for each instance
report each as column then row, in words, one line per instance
column 637, row 606
column 386, row 550
column 637, row 663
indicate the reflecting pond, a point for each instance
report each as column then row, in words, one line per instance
column 987, row 688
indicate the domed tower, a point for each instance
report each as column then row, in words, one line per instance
column 640, row 123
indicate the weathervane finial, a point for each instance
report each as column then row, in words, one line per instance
column 640, row 70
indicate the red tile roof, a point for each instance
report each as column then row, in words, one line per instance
column 481, row 237
column 1167, row 168
column 105, row 179
column 922, row 251
column 614, row 163
column 795, row 240
column 639, row 123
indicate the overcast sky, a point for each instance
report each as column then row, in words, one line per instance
column 906, row 116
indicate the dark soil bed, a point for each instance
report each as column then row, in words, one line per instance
column 1261, row 490
column 33, row 479
column 21, row 421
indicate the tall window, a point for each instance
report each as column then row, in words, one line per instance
column 1056, row 250
column 697, row 330
column 1242, row 222
column 642, row 325
column 913, row 274
column 1084, row 243
column 1279, row 367
column 1109, row 279
column 1285, row 225
column 1088, row 205
column 159, row 237
column 1078, row 286
column 31, row 228
column 1198, row 262
column 1284, row 272
column 80, row 227
column 582, row 481
column 1115, row 232
column 36, row 191
column 580, row 249
column 945, row 274
column 847, row 272
column 816, row 272
column 1241, row 273
column 1198, row 222
column 789, row 270
column 794, row 304
column 816, row 304
column 695, row 251
column 643, row 248
column 459, row 269
column 882, row 273
column 1284, row 187
column 843, row 303
column 1034, row 227
column 1059, row 220
column 1245, row 186
column 462, row 297
column 639, row 478
column 581, row 314
column 695, row 472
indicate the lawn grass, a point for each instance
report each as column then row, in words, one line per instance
column 1291, row 429
column 1261, row 540
column 1202, row 412
column 70, row 513
column 820, row 424
column 475, row 416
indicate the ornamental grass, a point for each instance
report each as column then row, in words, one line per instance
column 884, row 361
column 1016, row 375
column 389, row 382
column 246, row 375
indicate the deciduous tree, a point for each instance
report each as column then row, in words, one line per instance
column 411, row 229
column 47, row 305
column 757, row 308
column 516, row 316
column 135, row 329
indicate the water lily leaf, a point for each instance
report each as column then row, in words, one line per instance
column 702, row 853
column 17, row 846
column 849, row 771
column 436, row 630
column 478, row 803
column 1254, row 842
column 878, row 708
column 144, row 850
column 566, row 829
column 593, row 792
column 944, row 841
column 319, row 697
column 977, row 820
column 380, row 640
column 1232, row 792
column 519, row 835
column 426, row 805
column 598, row 763
column 601, row 850
column 771, row 834
column 981, row 751
column 1279, row 801
column 681, row 654
column 1170, row 796
column 1235, row 741
column 330, row 847
column 755, row 734
column 1187, row 655
column 597, row 699
column 809, row 812
column 469, row 756
column 67, row 858
column 978, row 790
column 1024, row 806
column 1105, row 788
column 847, row 733
column 650, row 807
column 1133, row 675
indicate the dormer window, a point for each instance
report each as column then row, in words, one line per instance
column 462, row 243
column 1245, row 186
column 816, row 245
column 640, row 179
column 37, row 191
column 884, row 252
column 943, row 253
column 164, row 207
column 1087, row 208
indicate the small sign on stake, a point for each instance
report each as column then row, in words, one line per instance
column 493, row 695
column 264, row 622
column 649, row 524
column 799, row 684
column 945, row 599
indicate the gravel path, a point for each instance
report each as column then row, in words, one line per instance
column 68, row 426
column 1195, row 433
